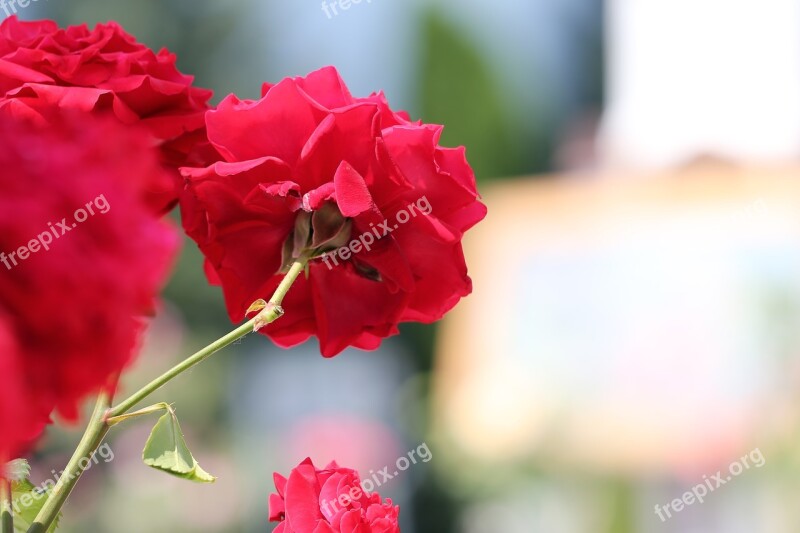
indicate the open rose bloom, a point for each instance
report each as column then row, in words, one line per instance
column 328, row 500
column 45, row 69
column 310, row 169
column 82, row 261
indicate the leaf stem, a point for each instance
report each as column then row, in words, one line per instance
column 92, row 437
column 157, row 408
column 7, row 520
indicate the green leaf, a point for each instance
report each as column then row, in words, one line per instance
column 27, row 500
column 166, row 450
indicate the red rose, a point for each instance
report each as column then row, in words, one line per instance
column 20, row 422
column 12, row 404
column 331, row 500
column 43, row 68
column 82, row 259
column 310, row 168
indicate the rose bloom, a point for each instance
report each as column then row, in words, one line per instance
column 330, row 500
column 43, row 67
column 310, row 169
column 82, row 260
column 12, row 404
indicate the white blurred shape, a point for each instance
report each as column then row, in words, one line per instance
column 696, row 77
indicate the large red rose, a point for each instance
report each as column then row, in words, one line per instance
column 331, row 500
column 82, row 259
column 310, row 169
column 12, row 404
column 43, row 67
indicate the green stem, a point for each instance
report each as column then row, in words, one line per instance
column 103, row 413
column 180, row 368
column 92, row 437
column 270, row 313
column 7, row 520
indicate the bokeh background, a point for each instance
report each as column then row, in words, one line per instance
column 634, row 326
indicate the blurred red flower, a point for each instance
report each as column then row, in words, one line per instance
column 310, row 168
column 12, row 403
column 44, row 68
column 331, row 500
column 82, row 259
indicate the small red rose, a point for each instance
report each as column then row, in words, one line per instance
column 329, row 500
column 44, row 68
column 310, row 169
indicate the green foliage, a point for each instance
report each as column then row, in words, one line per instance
column 166, row 450
column 460, row 90
column 26, row 500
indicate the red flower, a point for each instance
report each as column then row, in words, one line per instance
column 309, row 168
column 20, row 423
column 43, row 68
column 12, row 404
column 82, row 258
column 331, row 500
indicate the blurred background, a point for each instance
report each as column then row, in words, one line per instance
column 634, row 327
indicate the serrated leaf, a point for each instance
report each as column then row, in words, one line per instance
column 166, row 450
column 27, row 500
